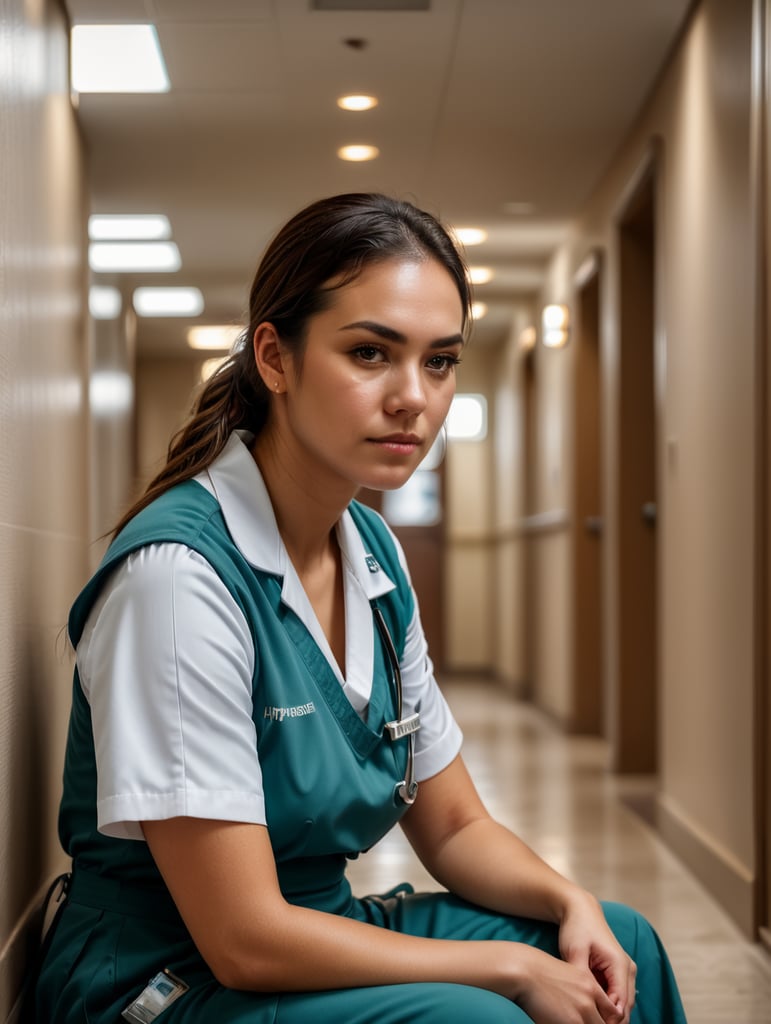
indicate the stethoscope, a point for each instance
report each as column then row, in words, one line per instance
column 407, row 789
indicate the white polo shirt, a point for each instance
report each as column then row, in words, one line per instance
column 148, row 667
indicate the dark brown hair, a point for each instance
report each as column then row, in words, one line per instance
column 330, row 240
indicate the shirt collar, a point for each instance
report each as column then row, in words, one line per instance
column 235, row 479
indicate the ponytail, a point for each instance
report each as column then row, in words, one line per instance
column 233, row 397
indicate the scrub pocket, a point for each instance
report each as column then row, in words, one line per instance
column 77, row 980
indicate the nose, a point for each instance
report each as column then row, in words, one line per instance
column 406, row 391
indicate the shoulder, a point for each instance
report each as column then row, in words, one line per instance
column 186, row 518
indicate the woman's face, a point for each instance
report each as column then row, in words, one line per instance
column 377, row 375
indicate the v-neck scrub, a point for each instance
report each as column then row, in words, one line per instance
column 166, row 662
column 204, row 687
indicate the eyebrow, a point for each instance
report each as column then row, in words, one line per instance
column 390, row 334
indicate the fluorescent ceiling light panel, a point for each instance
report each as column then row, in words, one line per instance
column 128, row 227
column 480, row 275
column 470, row 236
column 117, row 58
column 168, row 301
column 104, row 302
column 133, row 256
column 213, row 336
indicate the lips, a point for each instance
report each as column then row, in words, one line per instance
column 402, row 444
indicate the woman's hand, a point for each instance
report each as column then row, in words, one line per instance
column 586, row 942
column 552, row 991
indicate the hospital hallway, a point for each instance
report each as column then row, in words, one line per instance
column 555, row 793
column 590, row 539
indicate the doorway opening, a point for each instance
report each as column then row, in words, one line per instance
column 635, row 705
column 587, row 706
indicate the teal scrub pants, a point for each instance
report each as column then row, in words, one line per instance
column 100, row 966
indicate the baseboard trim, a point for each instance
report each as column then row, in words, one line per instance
column 725, row 878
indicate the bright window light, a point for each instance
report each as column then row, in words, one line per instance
column 213, row 336
column 358, row 153
column 134, row 227
column 480, row 275
column 478, row 310
column 117, row 58
column 133, row 256
column 357, row 102
column 104, row 302
column 467, row 419
column 470, row 236
column 168, row 301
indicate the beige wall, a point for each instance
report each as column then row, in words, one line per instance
column 43, row 471
column 470, row 554
column 705, row 352
column 165, row 392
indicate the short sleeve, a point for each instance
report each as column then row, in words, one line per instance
column 166, row 663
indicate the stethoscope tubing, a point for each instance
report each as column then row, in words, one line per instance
column 407, row 789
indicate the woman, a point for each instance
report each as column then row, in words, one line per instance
column 254, row 703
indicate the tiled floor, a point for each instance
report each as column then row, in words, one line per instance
column 553, row 791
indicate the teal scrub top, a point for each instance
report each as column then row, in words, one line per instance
column 329, row 777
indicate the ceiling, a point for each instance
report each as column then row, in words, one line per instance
column 501, row 114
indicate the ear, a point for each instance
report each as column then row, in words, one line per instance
column 269, row 357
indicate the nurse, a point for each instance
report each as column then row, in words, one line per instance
column 253, row 700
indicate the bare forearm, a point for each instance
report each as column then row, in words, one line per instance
column 310, row 950
column 486, row 864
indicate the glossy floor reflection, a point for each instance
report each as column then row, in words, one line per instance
column 555, row 793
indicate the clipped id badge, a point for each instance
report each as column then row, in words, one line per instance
column 161, row 992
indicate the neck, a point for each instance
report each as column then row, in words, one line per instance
column 306, row 507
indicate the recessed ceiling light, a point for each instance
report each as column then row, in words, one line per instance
column 357, row 102
column 104, row 227
column 470, row 236
column 480, row 275
column 133, row 256
column 168, row 301
column 104, row 302
column 213, row 336
column 117, row 58
column 478, row 310
column 358, row 152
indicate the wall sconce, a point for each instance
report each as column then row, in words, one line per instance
column 527, row 339
column 556, row 323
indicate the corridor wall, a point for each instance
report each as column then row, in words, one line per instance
column 699, row 117
column 43, row 457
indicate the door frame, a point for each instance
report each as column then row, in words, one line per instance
column 761, row 202
column 633, row 741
